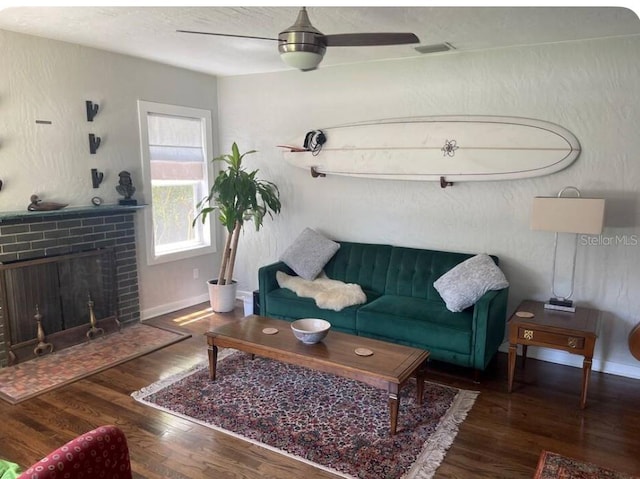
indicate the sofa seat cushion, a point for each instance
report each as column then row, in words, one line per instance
column 285, row 304
column 416, row 321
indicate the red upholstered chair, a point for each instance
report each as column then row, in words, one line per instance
column 98, row 454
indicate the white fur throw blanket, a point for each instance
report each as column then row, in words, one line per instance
column 328, row 293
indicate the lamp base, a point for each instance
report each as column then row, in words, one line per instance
column 560, row 304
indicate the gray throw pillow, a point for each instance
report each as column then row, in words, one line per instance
column 463, row 285
column 309, row 253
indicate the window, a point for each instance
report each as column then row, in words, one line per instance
column 176, row 145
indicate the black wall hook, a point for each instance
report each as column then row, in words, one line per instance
column 444, row 183
column 92, row 110
column 96, row 177
column 316, row 174
column 94, row 143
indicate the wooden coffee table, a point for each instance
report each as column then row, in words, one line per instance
column 387, row 368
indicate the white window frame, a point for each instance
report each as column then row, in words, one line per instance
column 144, row 108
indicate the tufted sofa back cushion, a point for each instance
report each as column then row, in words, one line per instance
column 412, row 272
column 361, row 263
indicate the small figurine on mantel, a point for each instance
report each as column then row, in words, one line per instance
column 125, row 188
column 38, row 205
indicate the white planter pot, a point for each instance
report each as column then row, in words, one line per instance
column 222, row 297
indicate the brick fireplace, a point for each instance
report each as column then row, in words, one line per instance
column 25, row 237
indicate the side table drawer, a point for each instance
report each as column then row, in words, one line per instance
column 555, row 339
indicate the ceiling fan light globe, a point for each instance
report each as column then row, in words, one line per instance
column 301, row 60
column 301, row 50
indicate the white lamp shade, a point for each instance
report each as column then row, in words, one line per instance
column 301, row 60
column 568, row 215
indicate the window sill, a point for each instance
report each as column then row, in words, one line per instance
column 180, row 255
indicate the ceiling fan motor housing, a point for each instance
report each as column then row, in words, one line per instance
column 301, row 42
column 302, row 37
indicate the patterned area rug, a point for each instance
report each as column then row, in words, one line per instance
column 30, row 378
column 337, row 424
column 556, row 466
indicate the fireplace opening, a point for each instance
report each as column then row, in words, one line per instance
column 51, row 303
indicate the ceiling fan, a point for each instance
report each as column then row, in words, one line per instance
column 302, row 46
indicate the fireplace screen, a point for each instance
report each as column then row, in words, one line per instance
column 64, row 291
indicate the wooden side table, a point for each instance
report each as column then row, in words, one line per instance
column 560, row 330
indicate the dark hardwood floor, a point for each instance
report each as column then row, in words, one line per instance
column 501, row 438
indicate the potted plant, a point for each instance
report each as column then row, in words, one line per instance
column 239, row 196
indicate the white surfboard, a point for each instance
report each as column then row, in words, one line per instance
column 441, row 148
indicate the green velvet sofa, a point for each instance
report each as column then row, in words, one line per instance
column 402, row 304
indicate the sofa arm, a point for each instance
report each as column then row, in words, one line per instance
column 489, row 320
column 267, row 281
column 101, row 452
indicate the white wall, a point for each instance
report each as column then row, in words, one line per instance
column 591, row 88
column 49, row 80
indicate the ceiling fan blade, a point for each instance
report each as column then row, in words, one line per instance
column 227, row 35
column 369, row 39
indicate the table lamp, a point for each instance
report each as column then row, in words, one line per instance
column 566, row 214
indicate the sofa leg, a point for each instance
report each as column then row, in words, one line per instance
column 477, row 374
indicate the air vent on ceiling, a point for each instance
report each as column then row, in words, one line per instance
column 435, row 48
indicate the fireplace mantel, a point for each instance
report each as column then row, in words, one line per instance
column 74, row 211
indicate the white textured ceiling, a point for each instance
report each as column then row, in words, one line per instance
column 150, row 32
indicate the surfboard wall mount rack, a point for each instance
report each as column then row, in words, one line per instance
column 315, row 173
column 444, row 183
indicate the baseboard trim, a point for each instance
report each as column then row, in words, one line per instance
column 567, row 359
column 185, row 303
column 171, row 307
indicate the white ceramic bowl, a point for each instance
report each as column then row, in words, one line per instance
column 310, row 330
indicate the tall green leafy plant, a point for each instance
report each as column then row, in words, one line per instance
column 239, row 196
